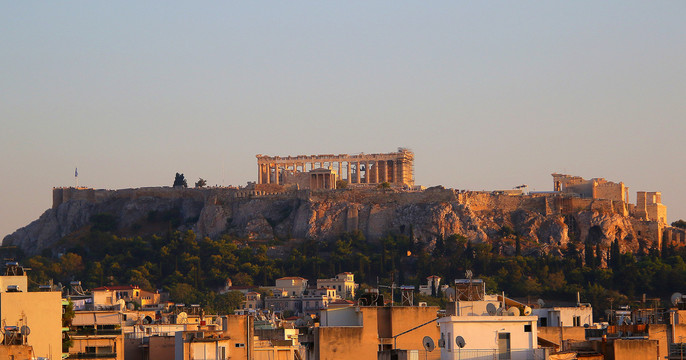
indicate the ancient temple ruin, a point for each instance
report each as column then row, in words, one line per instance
column 323, row 171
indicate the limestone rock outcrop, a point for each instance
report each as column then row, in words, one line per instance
column 425, row 216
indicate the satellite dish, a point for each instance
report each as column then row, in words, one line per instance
column 586, row 326
column 540, row 302
column 122, row 304
column 25, row 330
column 130, row 306
column 499, row 311
column 182, row 318
column 513, row 311
column 428, row 343
column 490, row 309
column 676, row 298
column 460, row 342
column 527, row 311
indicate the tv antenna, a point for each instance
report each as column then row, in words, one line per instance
column 76, row 288
column 513, row 311
column 182, row 318
column 460, row 342
column 491, row 309
column 429, row 345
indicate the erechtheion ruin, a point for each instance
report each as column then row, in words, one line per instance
column 323, row 171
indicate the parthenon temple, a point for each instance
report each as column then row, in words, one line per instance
column 323, row 171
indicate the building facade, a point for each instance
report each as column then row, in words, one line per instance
column 343, row 283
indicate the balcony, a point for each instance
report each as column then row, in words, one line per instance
column 493, row 354
column 87, row 355
column 91, row 331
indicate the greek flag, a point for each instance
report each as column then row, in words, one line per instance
column 76, row 172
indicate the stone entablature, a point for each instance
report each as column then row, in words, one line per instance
column 360, row 169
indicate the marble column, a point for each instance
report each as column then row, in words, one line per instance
column 384, row 172
column 348, row 179
column 391, row 172
column 357, row 172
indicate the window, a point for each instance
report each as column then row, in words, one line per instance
column 221, row 353
column 527, row 328
column 240, row 345
column 544, row 322
column 577, row 321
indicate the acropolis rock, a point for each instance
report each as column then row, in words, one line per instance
column 548, row 221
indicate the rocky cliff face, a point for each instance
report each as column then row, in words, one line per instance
column 425, row 216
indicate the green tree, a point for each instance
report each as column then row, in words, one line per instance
column 225, row 304
column 341, row 184
column 680, row 224
column 184, row 293
column 180, row 180
column 103, row 222
column 67, row 317
column 385, row 185
column 200, row 183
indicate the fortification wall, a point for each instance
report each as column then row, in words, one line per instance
column 610, row 191
column 489, row 201
column 648, row 231
column 62, row 195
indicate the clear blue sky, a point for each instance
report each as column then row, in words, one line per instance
column 489, row 95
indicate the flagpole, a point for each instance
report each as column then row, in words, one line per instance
column 76, row 176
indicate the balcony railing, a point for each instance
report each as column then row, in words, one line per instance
column 91, row 331
column 107, row 355
column 493, row 354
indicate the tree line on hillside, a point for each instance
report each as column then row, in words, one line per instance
column 193, row 269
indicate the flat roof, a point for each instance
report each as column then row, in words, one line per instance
column 492, row 319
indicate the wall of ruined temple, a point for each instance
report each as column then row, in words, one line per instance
column 359, row 169
column 674, row 236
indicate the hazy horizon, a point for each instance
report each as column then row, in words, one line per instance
column 489, row 95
